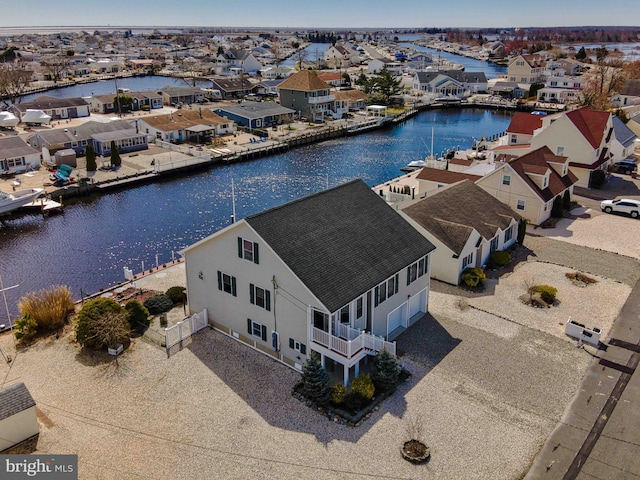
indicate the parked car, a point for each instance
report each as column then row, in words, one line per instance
column 624, row 166
column 624, row 205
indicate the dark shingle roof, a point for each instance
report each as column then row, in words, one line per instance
column 15, row 399
column 12, row 147
column 340, row 242
column 452, row 213
column 45, row 102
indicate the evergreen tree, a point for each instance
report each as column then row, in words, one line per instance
column 386, row 370
column 316, row 382
column 522, row 230
column 582, row 54
column 91, row 159
column 566, row 200
column 115, row 155
column 556, row 209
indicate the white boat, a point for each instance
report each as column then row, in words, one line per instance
column 413, row 166
column 17, row 199
column 8, row 120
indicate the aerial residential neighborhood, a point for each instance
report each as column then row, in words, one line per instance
column 339, row 252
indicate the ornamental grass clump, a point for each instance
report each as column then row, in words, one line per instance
column 49, row 308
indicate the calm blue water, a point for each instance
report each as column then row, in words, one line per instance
column 312, row 53
column 491, row 70
column 87, row 247
column 151, row 82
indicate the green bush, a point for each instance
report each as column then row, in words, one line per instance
column 386, row 371
column 499, row 258
column 353, row 401
column 26, row 328
column 473, row 277
column 137, row 314
column 547, row 292
column 158, row 304
column 177, row 295
column 556, row 208
column 363, row 385
column 338, row 393
column 89, row 315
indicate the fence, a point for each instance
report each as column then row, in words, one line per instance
column 179, row 336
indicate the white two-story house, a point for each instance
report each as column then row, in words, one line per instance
column 337, row 274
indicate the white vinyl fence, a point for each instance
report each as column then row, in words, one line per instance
column 179, row 336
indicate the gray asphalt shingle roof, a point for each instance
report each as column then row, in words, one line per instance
column 15, row 399
column 341, row 242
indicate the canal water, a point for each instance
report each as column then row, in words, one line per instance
column 87, row 247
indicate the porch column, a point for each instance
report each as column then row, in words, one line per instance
column 345, row 369
column 322, row 360
column 357, row 365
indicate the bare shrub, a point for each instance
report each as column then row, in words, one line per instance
column 415, row 426
column 462, row 303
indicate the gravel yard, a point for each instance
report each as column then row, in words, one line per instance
column 218, row 409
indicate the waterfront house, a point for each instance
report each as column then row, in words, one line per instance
column 16, row 156
column 529, row 184
column 466, row 224
column 356, row 99
column 472, row 82
column 437, row 84
column 376, row 65
column 526, row 69
column 431, row 179
column 106, row 103
column 56, row 108
column 522, row 127
column 175, row 96
column 235, row 61
column 232, row 87
column 97, row 134
column 306, row 94
column 277, row 72
column 509, row 90
column 560, row 88
column 18, row 419
column 584, row 135
column 339, row 56
column 337, row 274
column 256, row 114
column 622, row 143
column 268, row 87
column 185, row 125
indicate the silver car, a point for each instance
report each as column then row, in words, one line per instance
column 624, row 205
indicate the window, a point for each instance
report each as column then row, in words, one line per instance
column 468, row 260
column 226, row 283
column 260, row 297
column 506, row 180
column 560, row 151
column 520, row 204
column 297, row 346
column 248, row 250
column 381, row 294
column 417, row 269
column 514, row 138
column 359, row 305
column 344, row 314
column 494, row 244
column 508, row 234
column 545, row 181
column 257, row 330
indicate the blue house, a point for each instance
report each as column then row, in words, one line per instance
column 256, row 114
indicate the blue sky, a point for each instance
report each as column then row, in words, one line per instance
column 320, row 13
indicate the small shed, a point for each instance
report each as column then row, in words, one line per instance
column 18, row 420
column 66, row 157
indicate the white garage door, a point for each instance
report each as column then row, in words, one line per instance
column 397, row 318
column 418, row 303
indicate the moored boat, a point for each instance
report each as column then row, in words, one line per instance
column 19, row 198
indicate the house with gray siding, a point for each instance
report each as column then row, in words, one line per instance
column 306, row 94
column 256, row 114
